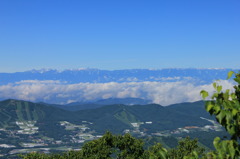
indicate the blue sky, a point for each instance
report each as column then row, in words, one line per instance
column 119, row 34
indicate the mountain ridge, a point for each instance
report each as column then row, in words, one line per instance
column 23, row 111
column 128, row 75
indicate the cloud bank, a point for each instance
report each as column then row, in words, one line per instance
column 50, row 91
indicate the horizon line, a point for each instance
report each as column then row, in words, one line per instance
column 42, row 70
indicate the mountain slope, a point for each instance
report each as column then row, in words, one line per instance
column 114, row 118
column 162, row 118
column 45, row 117
column 193, row 109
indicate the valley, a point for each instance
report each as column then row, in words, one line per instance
column 27, row 127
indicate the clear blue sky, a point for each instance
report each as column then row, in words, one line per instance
column 119, row 34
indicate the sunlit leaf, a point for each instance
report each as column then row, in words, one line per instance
column 219, row 88
column 215, row 85
column 217, row 109
column 221, row 116
column 204, row 94
column 230, row 73
column 232, row 150
column 209, row 107
column 216, row 142
column 234, row 112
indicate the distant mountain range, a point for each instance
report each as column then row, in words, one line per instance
column 104, row 76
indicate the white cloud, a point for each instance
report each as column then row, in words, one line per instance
column 163, row 93
column 165, row 78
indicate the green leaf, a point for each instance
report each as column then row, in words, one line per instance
column 152, row 157
column 221, row 116
column 230, row 73
column 219, row 88
column 216, row 142
column 217, row 109
column 231, row 130
column 227, row 91
column 226, row 96
column 215, row 95
column 231, row 149
column 233, row 96
column 237, row 80
column 204, row 94
column 215, row 85
column 234, row 112
column 229, row 117
column 209, row 107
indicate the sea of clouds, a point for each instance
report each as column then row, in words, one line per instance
column 51, row 91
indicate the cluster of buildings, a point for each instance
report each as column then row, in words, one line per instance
column 78, row 134
column 187, row 129
column 28, row 139
column 27, row 127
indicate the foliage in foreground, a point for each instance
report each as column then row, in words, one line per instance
column 124, row 147
column 225, row 106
